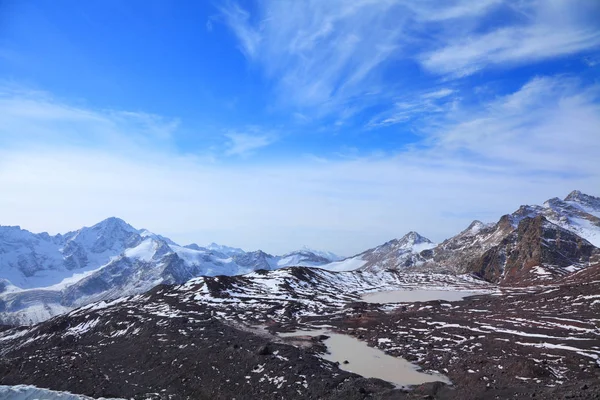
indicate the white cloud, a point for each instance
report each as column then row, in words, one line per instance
column 320, row 53
column 35, row 118
column 242, row 144
column 327, row 56
column 545, row 29
column 415, row 105
column 438, row 94
column 239, row 21
column 550, row 125
column 432, row 11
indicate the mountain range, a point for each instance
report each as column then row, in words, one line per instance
column 533, row 244
column 43, row 275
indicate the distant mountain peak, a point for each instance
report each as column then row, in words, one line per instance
column 227, row 250
column 584, row 199
column 194, row 246
column 415, row 238
column 474, row 228
column 575, row 195
column 114, row 223
column 325, row 254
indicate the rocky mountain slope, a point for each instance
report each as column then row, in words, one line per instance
column 531, row 329
column 536, row 250
column 395, row 254
column 533, row 244
column 42, row 275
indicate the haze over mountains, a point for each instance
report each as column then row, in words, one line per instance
column 43, row 275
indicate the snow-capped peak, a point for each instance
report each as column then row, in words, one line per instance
column 227, row 250
column 414, row 238
column 325, row 254
column 585, row 202
column 474, row 228
column 194, row 246
column 112, row 224
column 576, row 195
column 145, row 233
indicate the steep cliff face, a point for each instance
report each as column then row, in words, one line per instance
column 537, row 250
column 455, row 254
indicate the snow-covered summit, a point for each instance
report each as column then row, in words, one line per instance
column 490, row 249
column 578, row 213
column 585, row 202
column 394, row 254
column 304, row 258
column 321, row 253
column 227, row 250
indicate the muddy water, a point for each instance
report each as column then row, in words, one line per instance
column 409, row 296
column 368, row 361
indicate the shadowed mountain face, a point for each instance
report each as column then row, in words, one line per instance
column 531, row 332
column 537, row 250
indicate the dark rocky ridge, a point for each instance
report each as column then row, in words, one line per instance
column 537, row 247
column 529, row 246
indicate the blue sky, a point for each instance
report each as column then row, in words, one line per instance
column 277, row 124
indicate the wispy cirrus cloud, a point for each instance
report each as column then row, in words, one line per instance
column 33, row 117
column 330, row 56
column 239, row 21
column 549, row 125
column 244, row 144
column 407, row 108
column 465, row 56
column 532, row 30
column 320, row 54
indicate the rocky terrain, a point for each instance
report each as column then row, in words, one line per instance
column 533, row 244
column 203, row 339
column 216, row 337
column 541, row 342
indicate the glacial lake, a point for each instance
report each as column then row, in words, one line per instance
column 411, row 296
column 369, row 362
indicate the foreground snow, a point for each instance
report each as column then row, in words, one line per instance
column 28, row 392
